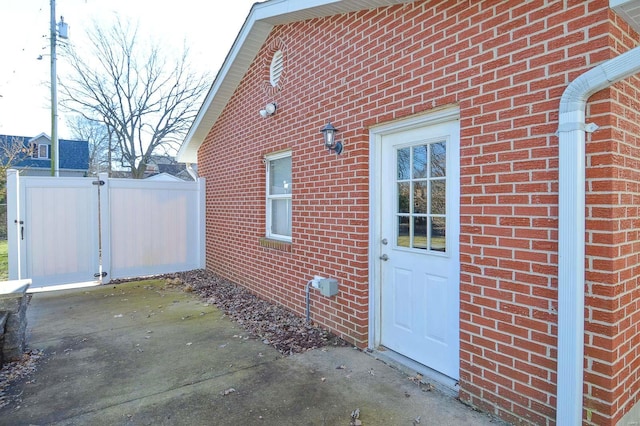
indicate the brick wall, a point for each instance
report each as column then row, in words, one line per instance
column 612, row 357
column 506, row 65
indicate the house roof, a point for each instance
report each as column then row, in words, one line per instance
column 254, row 32
column 74, row 154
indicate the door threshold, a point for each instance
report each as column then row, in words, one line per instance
column 439, row 381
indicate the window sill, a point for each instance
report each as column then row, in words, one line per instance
column 275, row 244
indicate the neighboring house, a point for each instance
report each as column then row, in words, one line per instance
column 454, row 217
column 74, row 156
column 165, row 177
column 178, row 170
column 159, row 165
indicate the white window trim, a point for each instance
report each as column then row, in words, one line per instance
column 46, row 156
column 269, row 197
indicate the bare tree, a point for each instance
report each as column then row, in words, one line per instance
column 12, row 150
column 102, row 150
column 145, row 99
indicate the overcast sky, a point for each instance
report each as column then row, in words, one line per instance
column 25, row 100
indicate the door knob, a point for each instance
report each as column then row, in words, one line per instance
column 385, row 241
column 384, row 257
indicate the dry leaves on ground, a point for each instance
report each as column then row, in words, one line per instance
column 273, row 324
column 13, row 371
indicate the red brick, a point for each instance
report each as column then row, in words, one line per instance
column 505, row 64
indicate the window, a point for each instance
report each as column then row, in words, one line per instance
column 279, row 196
column 38, row 150
column 43, row 151
column 421, row 189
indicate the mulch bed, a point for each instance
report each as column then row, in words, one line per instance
column 275, row 325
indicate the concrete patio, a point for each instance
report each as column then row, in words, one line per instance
column 143, row 354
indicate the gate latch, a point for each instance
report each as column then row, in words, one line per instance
column 21, row 222
column 98, row 182
column 100, row 275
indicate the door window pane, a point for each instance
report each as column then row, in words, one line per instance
column 404, row 164
column 420, row 232
column 404, row 234
column 404, row 198
column 438, row 234
column 438, row 159
column 421, row 196
column 420, row 161
column 438, row 197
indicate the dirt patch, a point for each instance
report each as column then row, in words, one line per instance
column 275, row 325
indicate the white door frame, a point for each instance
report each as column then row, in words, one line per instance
column 375, row 189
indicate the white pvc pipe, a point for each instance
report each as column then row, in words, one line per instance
column 571, row 223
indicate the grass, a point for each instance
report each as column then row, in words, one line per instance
column 4, row 260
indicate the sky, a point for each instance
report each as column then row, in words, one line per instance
column 25, row 98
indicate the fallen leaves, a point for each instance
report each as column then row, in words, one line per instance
column 228, row 391
column 424, row 386
column 16, row 370
column 274, row 325
column 355, row 418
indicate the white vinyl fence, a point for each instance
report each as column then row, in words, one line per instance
column 64, row 230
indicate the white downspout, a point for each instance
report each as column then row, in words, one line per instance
column 571, row 224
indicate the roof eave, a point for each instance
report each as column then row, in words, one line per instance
column 254, row 32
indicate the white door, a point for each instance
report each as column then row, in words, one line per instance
column 419, row 246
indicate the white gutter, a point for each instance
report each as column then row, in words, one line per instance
column 571, row 223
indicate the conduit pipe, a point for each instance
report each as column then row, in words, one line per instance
column 307, row 299
column 571, row 224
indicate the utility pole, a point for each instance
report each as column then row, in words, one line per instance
column 54, row 94
column 61, row 28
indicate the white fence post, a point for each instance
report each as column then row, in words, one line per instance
column 14, row 225
column 104, row 218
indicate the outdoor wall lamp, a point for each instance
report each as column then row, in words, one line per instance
column 268, row 110
column 329, row 134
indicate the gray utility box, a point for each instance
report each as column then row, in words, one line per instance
column 328, row 287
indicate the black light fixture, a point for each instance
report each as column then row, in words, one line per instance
column 329, row 134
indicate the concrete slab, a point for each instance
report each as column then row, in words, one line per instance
column 142, row 354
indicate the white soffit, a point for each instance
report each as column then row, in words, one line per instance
column 254, row 32
column 629, row 10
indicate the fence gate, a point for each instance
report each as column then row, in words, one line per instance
column 64, row 230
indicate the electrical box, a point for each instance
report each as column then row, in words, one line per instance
column 315, row 282
column 328, row 287
column 63, row 30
